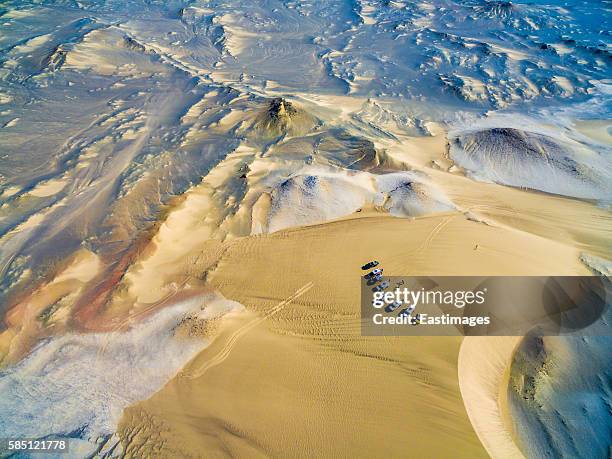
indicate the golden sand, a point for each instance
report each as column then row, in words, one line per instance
column 304, row 382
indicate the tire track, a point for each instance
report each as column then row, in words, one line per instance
column 231, row 342
column 434, row 232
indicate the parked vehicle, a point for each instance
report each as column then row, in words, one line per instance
column 393, row 306
column 374, row 280
column 380, row 287
column 369, row 265
column 406, row 312
column 376, row 272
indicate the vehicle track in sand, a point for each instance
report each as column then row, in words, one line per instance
column 225, row 351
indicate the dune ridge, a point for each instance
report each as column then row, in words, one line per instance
column 483, row 373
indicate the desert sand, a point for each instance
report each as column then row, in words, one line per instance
column 291, row 376
column 304, row 381
column 484, row 364
column 161, row 158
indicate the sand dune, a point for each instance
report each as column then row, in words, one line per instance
column 308, row 371
column 483, row 369
column 533, row 160
column 258, row 230
column 315, row 337
column 153, row 152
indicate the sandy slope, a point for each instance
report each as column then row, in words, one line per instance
column 484, row 363
column 305, row 381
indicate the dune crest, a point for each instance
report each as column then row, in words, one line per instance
column 483, row 368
